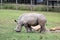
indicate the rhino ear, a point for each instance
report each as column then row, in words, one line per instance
column 15, row 21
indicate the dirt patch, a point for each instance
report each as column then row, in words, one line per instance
column 54, row 30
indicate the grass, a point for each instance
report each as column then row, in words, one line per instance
column 7, row 26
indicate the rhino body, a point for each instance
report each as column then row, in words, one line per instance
column 31, row 19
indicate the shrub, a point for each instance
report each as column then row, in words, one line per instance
column 28, row 7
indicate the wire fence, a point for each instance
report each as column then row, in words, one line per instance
column 36, row 5
column 20, row 4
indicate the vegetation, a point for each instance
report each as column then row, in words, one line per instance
column 7, row 26
column 28, row 7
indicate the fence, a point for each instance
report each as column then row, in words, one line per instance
column 32, row 5
column 25, row 4
column 53, row 4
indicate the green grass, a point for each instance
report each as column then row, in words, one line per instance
column 7, row 26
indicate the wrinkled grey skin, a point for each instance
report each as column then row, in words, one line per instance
column 30, row 19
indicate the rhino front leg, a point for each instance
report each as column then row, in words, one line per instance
column 28, row 28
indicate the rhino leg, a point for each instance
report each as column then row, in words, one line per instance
column 28, row 28
column 43, row 29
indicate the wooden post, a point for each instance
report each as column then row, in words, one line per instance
column 1, row 4
column 31, row 5
column 16, row 4
column 52, row 4
column 47, row 5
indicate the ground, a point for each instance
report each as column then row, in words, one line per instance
column 7, row 26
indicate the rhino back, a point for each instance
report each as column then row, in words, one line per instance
column 31, row 18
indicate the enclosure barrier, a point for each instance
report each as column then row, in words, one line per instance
column 31, row 5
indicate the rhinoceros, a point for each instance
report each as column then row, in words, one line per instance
column 30, row 19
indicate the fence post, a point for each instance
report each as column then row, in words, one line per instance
column 1, row 4
column 31, row 5
column 16, row 5
column 47, row 5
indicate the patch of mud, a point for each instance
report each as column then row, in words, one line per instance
column 53, row 30
column 57, row 31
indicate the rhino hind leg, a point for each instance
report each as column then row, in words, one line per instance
column 43, row 29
